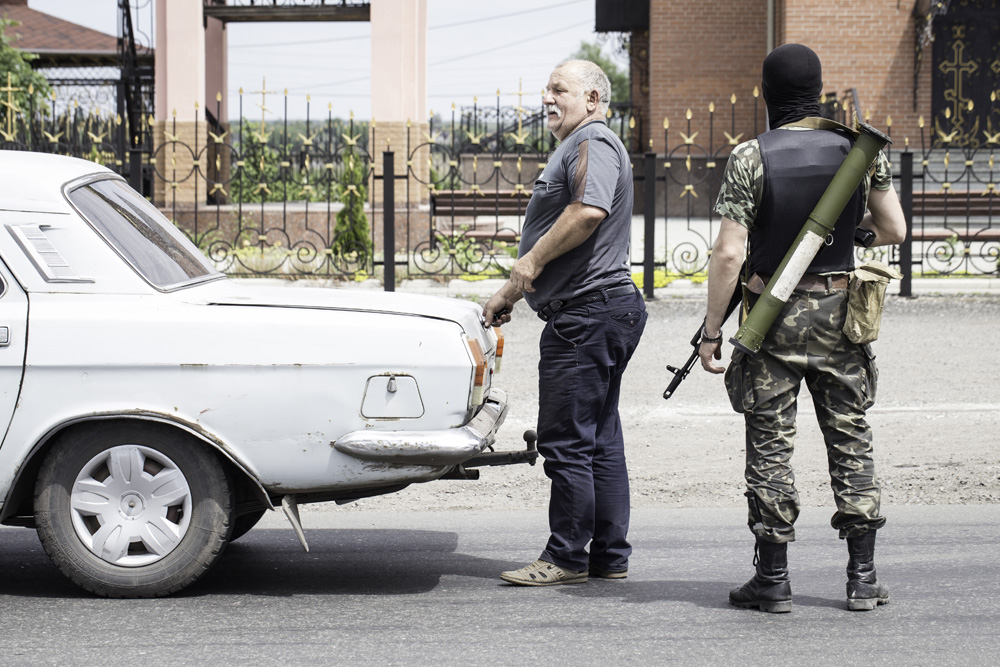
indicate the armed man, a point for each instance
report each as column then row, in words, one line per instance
column 771, row 184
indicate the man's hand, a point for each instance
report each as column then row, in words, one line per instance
column 523, row 273
column 498, row 308
column 709, row 351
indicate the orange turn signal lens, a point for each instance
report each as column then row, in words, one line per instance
column 479, row 380
column 499, row 356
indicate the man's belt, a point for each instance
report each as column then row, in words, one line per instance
column 554, row 306
column 810, row 282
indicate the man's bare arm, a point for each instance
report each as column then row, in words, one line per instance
column 723, row 276
column 885, row 217
column 574, row 226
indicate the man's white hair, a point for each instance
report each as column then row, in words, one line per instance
column 590, row 77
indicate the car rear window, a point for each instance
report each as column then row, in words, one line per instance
column 153, row 246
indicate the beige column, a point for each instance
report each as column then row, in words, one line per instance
column 216, row 66
column 180, row 128
column 217, row 165
column 399, row 92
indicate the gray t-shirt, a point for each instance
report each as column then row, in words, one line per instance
column 589, row 166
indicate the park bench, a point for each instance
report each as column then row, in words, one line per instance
column 929, row 203
column 478, row 210
column 955, row 207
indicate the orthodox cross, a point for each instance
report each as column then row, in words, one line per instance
column 11, row 106
column 520, row 136
column 262, row 135
column 958, row 67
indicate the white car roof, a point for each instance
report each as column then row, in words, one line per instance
column 33, row 181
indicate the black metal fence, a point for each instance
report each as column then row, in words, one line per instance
column 318, row 198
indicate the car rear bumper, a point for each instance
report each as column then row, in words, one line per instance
column 432, row 448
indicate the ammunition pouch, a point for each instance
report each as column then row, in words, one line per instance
column 867, row 298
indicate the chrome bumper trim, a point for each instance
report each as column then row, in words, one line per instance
column 433, row 448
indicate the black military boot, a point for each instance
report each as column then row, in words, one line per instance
column 769, row 590
column 864, row 592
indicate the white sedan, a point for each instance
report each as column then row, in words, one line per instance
column 152, row 410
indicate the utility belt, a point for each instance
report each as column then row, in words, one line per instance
column 554, row 306
column 810, row 282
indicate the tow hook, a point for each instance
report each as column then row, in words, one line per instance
column 528, row 455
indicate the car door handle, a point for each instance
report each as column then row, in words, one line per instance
column 4, row 337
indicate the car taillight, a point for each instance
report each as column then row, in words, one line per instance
column 496, row 365
column 479, row 381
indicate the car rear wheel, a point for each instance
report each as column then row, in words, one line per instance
column 132, row 510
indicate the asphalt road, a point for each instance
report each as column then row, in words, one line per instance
column 420, row 588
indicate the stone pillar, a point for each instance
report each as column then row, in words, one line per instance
column 180, row 130
column 399, row 92
column 217, row 167
column 216, row 64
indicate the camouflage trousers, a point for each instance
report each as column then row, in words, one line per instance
column 807, row 343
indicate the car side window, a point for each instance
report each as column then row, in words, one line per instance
column 149, row 242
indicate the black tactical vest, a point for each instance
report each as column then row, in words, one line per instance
column 798, row 166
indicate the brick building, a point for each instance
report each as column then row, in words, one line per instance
column 903, row 60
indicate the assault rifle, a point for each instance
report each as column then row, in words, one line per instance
column 682, row 372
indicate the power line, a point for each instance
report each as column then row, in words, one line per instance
column 300, row 42
column 504, row 46
column 433, row 27
column 504, row 16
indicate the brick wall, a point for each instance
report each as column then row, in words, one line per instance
column 703, row 51
column 867, row 45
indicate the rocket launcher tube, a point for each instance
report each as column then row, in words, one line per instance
column 810, row 239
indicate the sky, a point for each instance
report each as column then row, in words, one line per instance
column 474, row 48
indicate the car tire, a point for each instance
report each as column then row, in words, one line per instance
column 132, row 510
column 244, row 522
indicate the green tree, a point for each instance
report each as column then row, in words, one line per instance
column 620, row 91
column 351, row 237
column 31, row 88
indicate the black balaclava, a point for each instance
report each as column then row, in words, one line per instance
column 792, row 82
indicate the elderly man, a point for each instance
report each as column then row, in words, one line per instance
column 573, row 270
column 769, row 188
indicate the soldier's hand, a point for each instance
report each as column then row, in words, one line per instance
column 709, row 351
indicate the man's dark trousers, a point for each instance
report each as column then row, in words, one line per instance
column 584, row 350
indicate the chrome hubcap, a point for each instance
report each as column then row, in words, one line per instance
column 131, row 505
